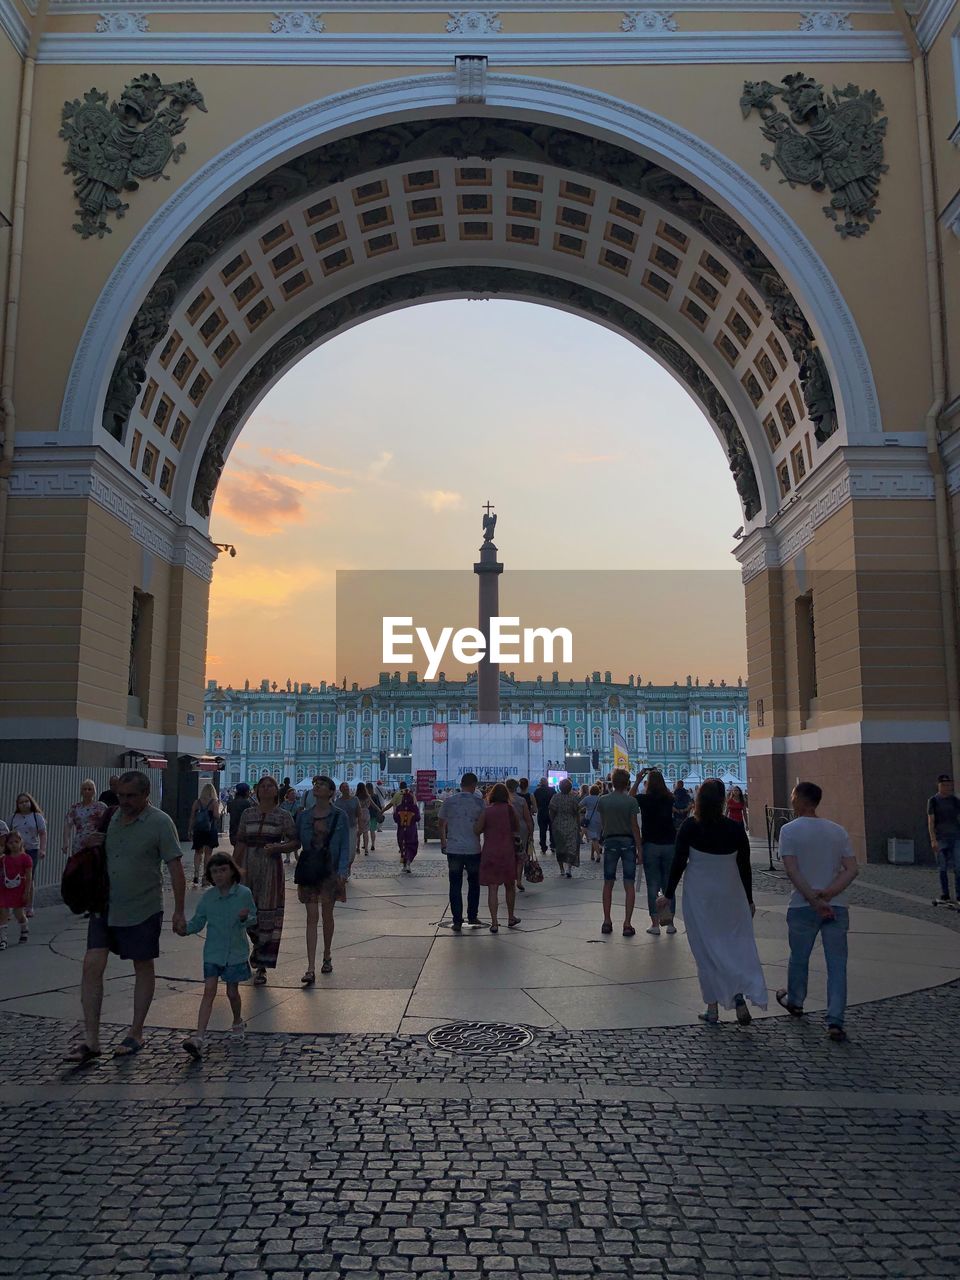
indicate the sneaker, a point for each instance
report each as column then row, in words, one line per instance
column 457, row 927
column 944, row 897
column 193, row 1045
column 837, row 1034
column 238, row 1031
column 195, row 881
column 475, row 924
column 654, row 931
column 671, row 928
column 24, row 933
column 3, row 943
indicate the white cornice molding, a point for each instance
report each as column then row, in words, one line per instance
column 890, row 472
column 443, row 6
column 931, row 21
column 14, row 26
column 547, row 50
column 72, row 471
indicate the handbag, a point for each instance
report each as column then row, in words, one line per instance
column 7, row 882
column 533, row 871
column 85, row 884
column 315, row 863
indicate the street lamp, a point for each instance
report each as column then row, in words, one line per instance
column 230, row 549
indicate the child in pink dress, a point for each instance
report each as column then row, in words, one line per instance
column 16, row 878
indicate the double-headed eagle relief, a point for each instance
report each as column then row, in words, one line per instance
column 113, row 148
column 841, row 151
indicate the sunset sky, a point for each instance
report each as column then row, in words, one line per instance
column 378, row 451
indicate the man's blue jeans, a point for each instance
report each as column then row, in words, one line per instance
column 804, row 924
column 456, row 865
column 948, row 855
column 657, row 861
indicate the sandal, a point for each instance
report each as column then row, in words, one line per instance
column 494, row 928
column 629, row 931
column 512, row 924
column 606, row 927
column 795, row 1010
column 711, row 1019
column 81, row 1054
column 327, row 966
column 309, row 978
column 128, row 1047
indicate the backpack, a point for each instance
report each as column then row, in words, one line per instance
column 84, row 885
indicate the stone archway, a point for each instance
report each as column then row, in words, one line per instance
column 396, row 194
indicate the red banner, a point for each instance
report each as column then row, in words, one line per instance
column 439, row 733
column 535, row 732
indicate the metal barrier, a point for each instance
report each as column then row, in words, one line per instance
column 776, row 819
column 55, row 787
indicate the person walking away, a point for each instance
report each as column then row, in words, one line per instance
column 460, row 843
column 83, row 818
column 140, row 839
column 526, row 795
column 713, row 854
column 682, row 804
column 499, row 825
column 736, row 808
column 659, row 843
column 821, row 865
column 290, row 802
column 202, row 828
column 241, row 801
column 590, row 821
column 364, row 802
column 350, row 807
column 524, row 828
column 542, row 797
column 28, row 819
column 621, row 840
column 16, row 876
column 265, row 833
column 943, row 825
column 406, row 815
column 226, row 911
column 375, row 814
column 323, row 869
column 565, row 827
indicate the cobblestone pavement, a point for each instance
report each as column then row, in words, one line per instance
column 672, row 1151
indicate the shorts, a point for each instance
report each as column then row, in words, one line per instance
column 230, row 973
column 615, row 849
column 310, row 894
column 205, row 840
column 128, row 941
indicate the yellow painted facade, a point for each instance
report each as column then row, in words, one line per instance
column 842, row 675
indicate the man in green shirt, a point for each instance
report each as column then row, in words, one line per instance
column 139, row 840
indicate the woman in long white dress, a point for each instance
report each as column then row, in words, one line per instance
column 713, row 858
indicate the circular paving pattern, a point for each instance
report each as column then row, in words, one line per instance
column 480, row 1037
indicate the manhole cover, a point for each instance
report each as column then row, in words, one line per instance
column 480, row 1037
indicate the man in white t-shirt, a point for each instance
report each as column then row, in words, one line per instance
column 461, row 844
column 817, row 857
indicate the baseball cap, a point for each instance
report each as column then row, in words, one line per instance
column 944, row 777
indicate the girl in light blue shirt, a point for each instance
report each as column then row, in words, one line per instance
column 226, row 911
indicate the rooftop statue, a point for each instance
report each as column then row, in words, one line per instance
column 489, row 523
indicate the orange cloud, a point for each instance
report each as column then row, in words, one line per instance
column 288, row 459
column 264, row 502
column 441, row 499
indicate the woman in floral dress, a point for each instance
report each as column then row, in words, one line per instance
column 83, row 818
column 265, row 833
column 565, row 825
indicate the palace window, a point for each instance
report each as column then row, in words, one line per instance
column 301, row 718
column 367, row 716
column 384, row 717
column 454, row 715
column 324, row 742
column 351, row 740
column 579, row 716
column 384, row 737
column 278, row 742
column 325, row 718
column 313, row 740
column 579, row 737
column 301, row 743
column 707, row 740
column 731, row 740
column 631, row 738
column 366, row 739
column 414, row 717
column 525, row 715
column 254, row 742
column 235, row 740
column 671, row 742
column 314, row 719
column 504, row 715
column 658, row 741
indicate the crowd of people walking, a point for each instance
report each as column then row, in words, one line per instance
column 487, row 835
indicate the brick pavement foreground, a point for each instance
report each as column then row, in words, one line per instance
column 671, row 1152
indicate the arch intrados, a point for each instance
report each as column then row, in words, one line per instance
column 712, row 395
column 548, row 102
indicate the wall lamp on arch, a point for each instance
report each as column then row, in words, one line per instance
column 230, row 549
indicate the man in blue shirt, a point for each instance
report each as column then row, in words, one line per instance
column 323, row 868
column 461, row 844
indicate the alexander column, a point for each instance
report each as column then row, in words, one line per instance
column 488, row 569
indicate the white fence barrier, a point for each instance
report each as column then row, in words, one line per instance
column 55, row 788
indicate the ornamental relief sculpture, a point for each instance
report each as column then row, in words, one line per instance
column 463, row 138
column 842, row 150
column 475, row 281
column 111, row 149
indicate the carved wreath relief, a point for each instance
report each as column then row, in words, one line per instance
column 842, row 150
column 112, row 148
